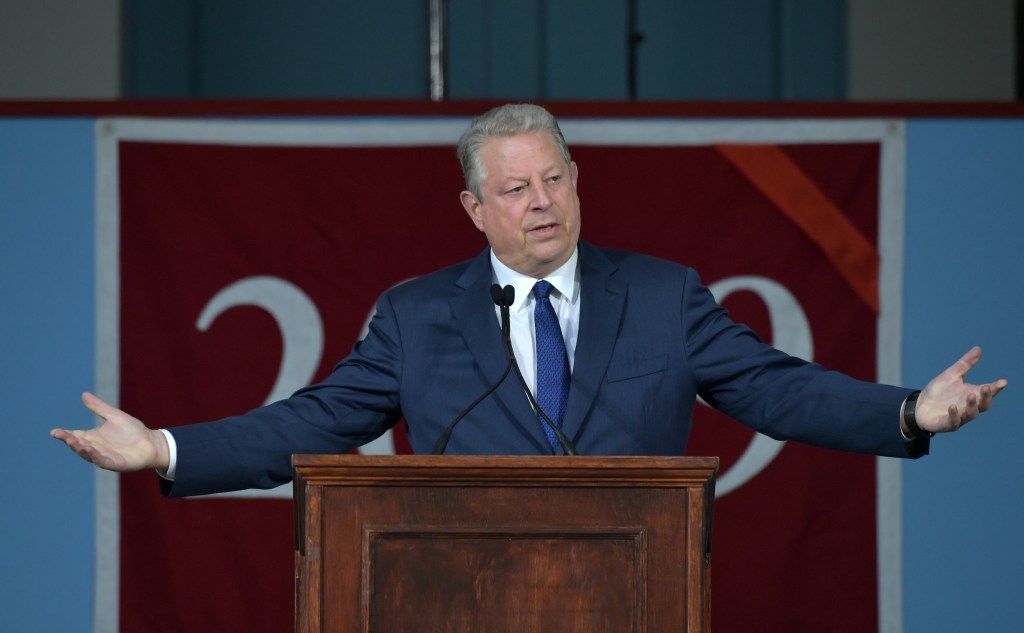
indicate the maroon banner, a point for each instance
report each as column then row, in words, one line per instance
column 794, row 543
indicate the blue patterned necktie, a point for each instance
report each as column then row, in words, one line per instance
column 552, row 362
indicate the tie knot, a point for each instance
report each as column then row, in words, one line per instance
column 541, row 289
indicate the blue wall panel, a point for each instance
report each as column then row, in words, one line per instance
column 964, row 504
column 46, row 360
column 272, row 49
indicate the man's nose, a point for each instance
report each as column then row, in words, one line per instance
column 541, row 199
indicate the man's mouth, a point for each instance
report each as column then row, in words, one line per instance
column 544, row 228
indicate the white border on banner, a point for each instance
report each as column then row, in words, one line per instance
column 108, row 350
column 434, row 131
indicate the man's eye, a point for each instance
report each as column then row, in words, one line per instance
column 555, row 179
column 515, row 189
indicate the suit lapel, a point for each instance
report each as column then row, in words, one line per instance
column 603, row 298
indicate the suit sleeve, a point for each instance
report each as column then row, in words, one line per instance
column 355, row 404
column 784, row 397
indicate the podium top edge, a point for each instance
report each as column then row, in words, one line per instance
column 546, row 461
column 310, row 464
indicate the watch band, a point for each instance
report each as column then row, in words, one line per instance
column 910, row 416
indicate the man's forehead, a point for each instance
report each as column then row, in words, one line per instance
column 512, row 156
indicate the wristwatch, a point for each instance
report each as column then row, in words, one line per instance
column 910, row 416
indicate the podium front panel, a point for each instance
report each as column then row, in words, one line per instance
column 401, row 543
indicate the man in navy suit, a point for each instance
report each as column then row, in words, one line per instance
column 642, row 339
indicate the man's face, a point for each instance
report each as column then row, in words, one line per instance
column 529, row 211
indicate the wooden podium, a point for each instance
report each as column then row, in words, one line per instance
column 400, row 544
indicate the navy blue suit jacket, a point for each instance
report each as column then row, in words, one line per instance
column 651, row 338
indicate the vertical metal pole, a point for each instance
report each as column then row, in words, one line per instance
column 633, row 40
column 437, row 38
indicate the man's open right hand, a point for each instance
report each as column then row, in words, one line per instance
column 122, row 443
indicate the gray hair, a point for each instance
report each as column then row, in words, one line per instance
column 505, row 121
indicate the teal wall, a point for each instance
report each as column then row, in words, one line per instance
column 527, row 49
column 963, row 505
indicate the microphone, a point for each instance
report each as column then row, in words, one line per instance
column 503, row 298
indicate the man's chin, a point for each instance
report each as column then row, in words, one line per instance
column 547, row 260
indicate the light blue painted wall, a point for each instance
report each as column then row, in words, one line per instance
column 46, row 347
column 963, row 505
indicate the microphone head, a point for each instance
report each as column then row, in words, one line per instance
column 503, row 297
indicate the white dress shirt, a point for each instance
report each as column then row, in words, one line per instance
column 565, row 299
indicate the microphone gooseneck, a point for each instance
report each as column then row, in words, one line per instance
column 568, row 448
column 499, row 296
column 503, row 298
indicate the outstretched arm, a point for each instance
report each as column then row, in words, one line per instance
column 949, row 402
column 121, row 443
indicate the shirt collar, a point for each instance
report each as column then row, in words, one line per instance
column 565, row 279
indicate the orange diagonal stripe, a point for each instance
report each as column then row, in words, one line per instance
column 796, row 195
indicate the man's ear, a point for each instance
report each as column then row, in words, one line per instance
column 574, row 172
column 472, row 206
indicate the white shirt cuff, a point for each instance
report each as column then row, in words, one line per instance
column 172, row 453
